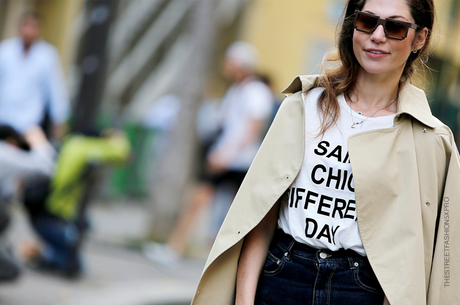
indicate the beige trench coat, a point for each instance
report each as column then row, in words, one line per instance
column 407, row 187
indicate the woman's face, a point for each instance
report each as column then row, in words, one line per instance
column 377, row 54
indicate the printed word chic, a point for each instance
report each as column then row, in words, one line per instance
column 339, row 179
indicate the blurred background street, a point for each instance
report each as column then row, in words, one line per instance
column 126, row 127
column 117, row 273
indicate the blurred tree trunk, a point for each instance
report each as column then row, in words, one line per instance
column 94, row 54
column 174, row 171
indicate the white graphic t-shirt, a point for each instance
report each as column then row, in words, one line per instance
column 320, row 210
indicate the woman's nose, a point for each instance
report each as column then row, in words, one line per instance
column 379, row 34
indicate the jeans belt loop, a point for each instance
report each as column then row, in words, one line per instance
column 352, row 262
column 287, row 255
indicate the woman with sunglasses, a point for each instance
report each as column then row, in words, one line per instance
column 353, row 196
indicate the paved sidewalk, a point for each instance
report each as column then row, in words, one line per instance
column 115, row 274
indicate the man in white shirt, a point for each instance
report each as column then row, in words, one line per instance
column 244, row 113
column 31, row 81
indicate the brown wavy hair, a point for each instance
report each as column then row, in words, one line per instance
column 341, row 78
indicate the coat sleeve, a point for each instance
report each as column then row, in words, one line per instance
column 445, row 272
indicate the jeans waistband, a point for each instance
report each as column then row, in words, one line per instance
column 289, row 243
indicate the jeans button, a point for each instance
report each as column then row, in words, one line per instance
column 323, row 255
column 286, row 255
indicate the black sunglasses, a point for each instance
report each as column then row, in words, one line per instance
column 394, row 29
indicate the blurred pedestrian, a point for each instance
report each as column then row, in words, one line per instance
column 266, row 79
column 353, row 197
column 244, row 112
column 31, row 81
column 27, row 158
column 57, row 207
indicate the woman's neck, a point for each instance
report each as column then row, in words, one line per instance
column 375, row 91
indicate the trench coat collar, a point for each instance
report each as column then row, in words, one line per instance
column 415, row 103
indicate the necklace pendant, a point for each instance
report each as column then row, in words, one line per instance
column 356, row 123
column 360, row 113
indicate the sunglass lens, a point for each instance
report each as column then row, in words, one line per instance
column 366, row 23
column 396, row 29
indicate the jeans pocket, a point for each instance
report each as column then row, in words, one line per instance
column 366, row 279
column 274, row 262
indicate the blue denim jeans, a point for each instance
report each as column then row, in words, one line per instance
column 295, row 273
column 60, row 238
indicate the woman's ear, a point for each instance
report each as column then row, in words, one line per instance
column 420, row 39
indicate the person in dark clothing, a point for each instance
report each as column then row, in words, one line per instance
column 57, row 206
